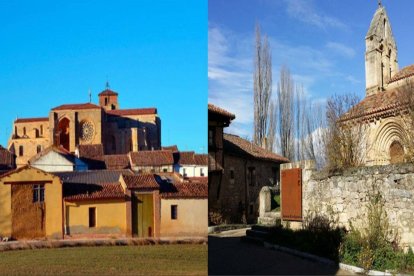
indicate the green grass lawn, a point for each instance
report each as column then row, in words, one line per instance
column 107, row 260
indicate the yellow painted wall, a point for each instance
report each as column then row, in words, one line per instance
column 192, row 218
column 110, row 217
column 53, row 200
column 5, row 210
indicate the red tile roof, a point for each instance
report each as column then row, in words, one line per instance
column 152, row 158
column 108, row 92
column 201, row 159
column 31, row 120
column 377, row 105
column 82, row 192
column 142, row 181
column 91, row 151
column 220, row 111
column 187, row 190
column 116, row 161
column 172, row 148
column 235, row 145
column 92, row 177
column 186, row 158
column 77, row 106
column 403, row 73
column 130, row 112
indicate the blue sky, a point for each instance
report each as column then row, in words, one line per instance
column 154, row 54
column 322, row 42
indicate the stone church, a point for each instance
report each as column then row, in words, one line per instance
column 384, row 109
column 70, row 125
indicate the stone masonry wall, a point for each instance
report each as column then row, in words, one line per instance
column 344, row 197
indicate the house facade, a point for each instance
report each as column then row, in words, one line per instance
column 105, row 203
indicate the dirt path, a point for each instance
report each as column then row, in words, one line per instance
column 228, row 255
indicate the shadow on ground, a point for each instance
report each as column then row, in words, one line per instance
column 229, row 255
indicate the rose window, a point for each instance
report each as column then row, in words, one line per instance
column 87, row 131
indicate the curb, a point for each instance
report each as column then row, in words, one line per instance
column 221, row 228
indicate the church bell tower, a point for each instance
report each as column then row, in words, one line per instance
column 381, row 62
column 108, row 99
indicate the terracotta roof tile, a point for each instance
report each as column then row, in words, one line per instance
column 152, row 158
column 91, row 151
column 220, row 111
column 376, row 105
column 201, row 159
column 172, row 148
column 81, row 192
column 130, row 112
column 108, row 92
column 142, row 181
column 116, row 161
column 31, row 120
column 186, row 158
column 187, row 190
column 403, row 73
column 77, row 106
column 235, row 145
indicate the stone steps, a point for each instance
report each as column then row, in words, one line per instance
column 258, row 234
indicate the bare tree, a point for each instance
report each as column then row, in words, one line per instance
column 346, row 132
column 262, row 79
column 285, row 105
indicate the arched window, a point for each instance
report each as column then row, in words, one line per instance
column 37, row 134
column 106, row 100
column 24, row 131
column 21, row 151
column 41, row 130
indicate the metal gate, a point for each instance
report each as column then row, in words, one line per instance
column 291, row 194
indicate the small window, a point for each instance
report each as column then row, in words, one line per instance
column 252, row 172
column 24, row 131
column 41, row 130
column 15, row 131
column 38, row 193
column 232, row 174
column 39, row 148
column 37, row 134
column 201, row 172
column 164, row 170
column 184, row 172
column 92, row 217
column 174, row 212
column 106, row 101
column 21, row 151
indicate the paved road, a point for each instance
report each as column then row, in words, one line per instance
column 228, row 255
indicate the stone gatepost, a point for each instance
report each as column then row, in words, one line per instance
column 265, row 198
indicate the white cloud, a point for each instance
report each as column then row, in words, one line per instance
column 341, row 49
column 304, row 11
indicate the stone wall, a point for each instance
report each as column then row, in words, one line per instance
column 344, row 197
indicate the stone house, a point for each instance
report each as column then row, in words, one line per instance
column 247, row 168
column 103, row 203
column 7, row 160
